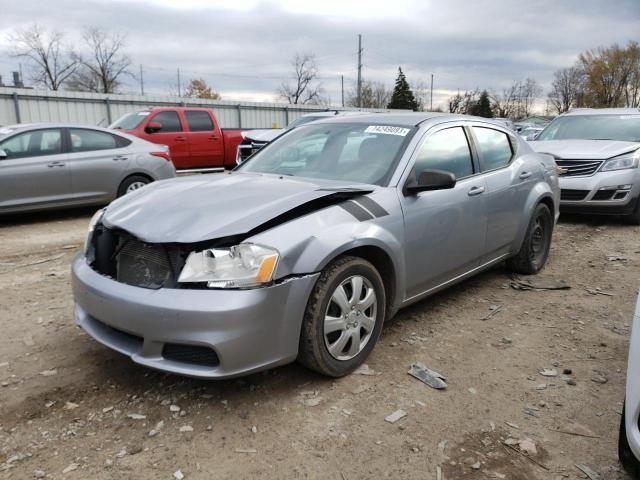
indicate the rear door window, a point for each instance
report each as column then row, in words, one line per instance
column 495, row 148
column 199, row 121
column 84, row 140
column 35, row 143
column 169, row 121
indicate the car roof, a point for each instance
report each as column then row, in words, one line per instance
column 23, row 127
column 407, row 119
column 602, row 111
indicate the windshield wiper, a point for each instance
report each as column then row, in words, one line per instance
column 611, row 139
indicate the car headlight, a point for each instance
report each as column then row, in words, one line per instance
column 92, row 225
column 242, row 266
column 628, row 160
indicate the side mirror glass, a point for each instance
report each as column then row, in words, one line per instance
column 3, row 154
column 432, row 180
column 153, row 127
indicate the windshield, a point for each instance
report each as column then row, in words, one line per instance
column 593, row 127
column 361, row 153
column 302, row 120
column 130, row 120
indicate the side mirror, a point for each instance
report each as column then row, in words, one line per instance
column 432, row 180
column 153, row 127
column 531, row 137
column 3, row 154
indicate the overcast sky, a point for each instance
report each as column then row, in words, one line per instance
column 243, row 48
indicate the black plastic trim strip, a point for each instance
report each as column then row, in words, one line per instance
column 356, row 210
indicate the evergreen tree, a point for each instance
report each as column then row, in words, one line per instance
column 402, row 96
column 482, row 108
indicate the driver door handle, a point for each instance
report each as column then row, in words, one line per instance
column 525, row 175
column 475, row 191
column 55, row 164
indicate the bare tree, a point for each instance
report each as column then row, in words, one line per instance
column 530, row 91
column 566, row 89
column 462, row 102
column 50, row 62
column 372, row 95
column 504, row 105
column 101, row 69
column 303, row 87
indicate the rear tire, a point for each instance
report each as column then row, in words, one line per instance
column 626, row 456
column 534, row 251
column 132, row 183
column 343, row 318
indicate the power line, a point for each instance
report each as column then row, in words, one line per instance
column 359, row 87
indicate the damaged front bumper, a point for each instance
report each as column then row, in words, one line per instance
column 205, row 333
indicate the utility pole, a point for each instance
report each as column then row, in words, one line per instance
column 342, row 87
column 359, row 87
column 179, row 86
column 141, row 82
column 431, row 95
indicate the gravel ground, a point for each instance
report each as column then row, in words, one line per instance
column 72, row 409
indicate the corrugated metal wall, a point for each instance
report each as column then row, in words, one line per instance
column 19, row 105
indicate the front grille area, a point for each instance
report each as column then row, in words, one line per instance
column 573, row 195
column 134, row 262
column 245, row 150
column 577, row 168
column 196, row 355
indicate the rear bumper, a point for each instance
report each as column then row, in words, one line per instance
column 601, row 193
column 249, row 330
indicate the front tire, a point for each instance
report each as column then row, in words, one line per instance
column 343, row 318
column 534, row 251
column 626, row 456
column 634, row 218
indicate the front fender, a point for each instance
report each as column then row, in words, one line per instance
column 308, row 244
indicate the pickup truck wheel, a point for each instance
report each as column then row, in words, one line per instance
column 132, row 183
column 630, row 463
column 343, row 318
column 534, row 251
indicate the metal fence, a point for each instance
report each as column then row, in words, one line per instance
column 21, row 105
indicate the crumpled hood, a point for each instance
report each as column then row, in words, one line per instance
column 262, row 135
column 583, row 149
column 205, row 207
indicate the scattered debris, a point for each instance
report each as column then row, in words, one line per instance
column 493, row 309
column 39, row 474
column 186, row 428
column 107, row 409
column 174, row 408
column 539, row 283
column 587, row 471
column 70, row 406
column 507, row 340
column 512, row 448
column 364, row 369
column 395, row 416
column 246, row 450
column 472, row 391
column 512, row 425
column 597, row 291
column 425, row 375
column 616, row 258
column 476, row 466
column 155, row 430
column 136, row 416
column 527, row 446
column 548, row 372
column 49, row 373
column 178, row 475
column 70, row 468
column 312, row 402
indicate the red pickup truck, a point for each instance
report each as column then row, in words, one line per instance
column 193, row 135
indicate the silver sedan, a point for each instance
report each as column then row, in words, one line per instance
column 47, row 166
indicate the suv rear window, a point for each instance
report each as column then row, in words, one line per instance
column 199, row 121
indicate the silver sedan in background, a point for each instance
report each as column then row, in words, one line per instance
column 45, row 166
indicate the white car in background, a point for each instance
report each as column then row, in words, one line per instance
column 599, row 150
column 629, row 439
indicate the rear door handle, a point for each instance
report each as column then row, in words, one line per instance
column 180, row 139
column 525, row 175
column 475, row 191
column 119, row 157
column 55, row 164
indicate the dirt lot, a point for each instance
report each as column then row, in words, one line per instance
column 70, row 408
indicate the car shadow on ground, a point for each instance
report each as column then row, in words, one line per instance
column 30, row 218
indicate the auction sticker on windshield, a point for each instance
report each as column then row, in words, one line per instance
column 388, row 130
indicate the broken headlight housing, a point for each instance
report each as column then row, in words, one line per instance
column 242, row 266
column 92, row 225
column 622, row 162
